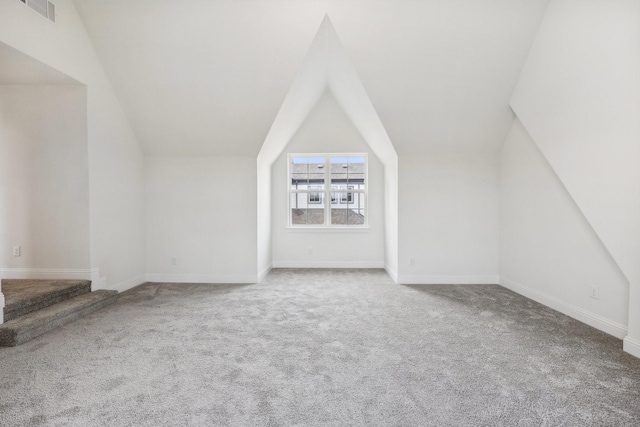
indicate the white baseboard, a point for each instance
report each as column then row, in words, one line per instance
column 199, row 278
column 392, row 273
column 605, row 325
column 48, row 273
column 126, row 284
column 328, row 264
column 1, row 308
column 631, row 346
column 263, row 273
column 99, row 283
column 448, row 280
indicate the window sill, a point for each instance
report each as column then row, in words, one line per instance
column 328, row 230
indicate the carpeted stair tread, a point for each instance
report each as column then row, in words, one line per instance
column 34, row 324
column 24, row 296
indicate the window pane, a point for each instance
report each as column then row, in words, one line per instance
column 315, row 197
column 304, row 211
column 306, row 171
column 310, row 202
column 339, row 168
column 348, row 170
column 351, row 212
column 347, row 196
column 356, row 169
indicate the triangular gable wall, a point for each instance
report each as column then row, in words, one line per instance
column 326, row 66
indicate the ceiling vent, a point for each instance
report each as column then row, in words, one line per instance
column 43, row 7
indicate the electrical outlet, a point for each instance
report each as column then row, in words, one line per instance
column 17, row 251
column 595, row 292
column 174, row 261
column 310, row 250
column 412, row 261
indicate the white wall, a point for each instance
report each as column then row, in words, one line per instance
column 44, row 178
column 548, row 250
column 327, row 67
column 344, row 82
column 579, row 98
column 264, row 244
column 116, row 178
column 448, row 218
column 202, row 212
column 327, row 129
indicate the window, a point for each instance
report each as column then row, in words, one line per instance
column 314, row 197
column 338, row 179
column 347, row 197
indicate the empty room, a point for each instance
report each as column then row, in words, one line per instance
column 320, row 212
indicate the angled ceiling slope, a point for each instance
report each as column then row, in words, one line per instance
column 327, row 67
column 17, row 68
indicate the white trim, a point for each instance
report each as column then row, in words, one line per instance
column 199, row 278
column 48, row 273
column 99, row 283
column 337, row 229
column 392, row 273
column 631, row 346
column 448, row 280
column 328, row 264
column 263, row 273
column 327, row 192
column 127, row 284
column 605, row 325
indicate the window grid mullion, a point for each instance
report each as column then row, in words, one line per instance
column 327, row 191
column 353, row 193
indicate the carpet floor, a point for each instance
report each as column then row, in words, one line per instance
column 321, row 347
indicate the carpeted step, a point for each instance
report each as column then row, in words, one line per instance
column 24, row 296
column 34, row 324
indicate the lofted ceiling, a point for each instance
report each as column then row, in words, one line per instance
column 208, row 77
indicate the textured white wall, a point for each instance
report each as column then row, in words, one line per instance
column 264, row 233
column 327, row 130
column 327, row 68
column 448, row 218
column 548, row 250
column 579, row 98
column 116, row 178
column 44, row 177
column 201, row 211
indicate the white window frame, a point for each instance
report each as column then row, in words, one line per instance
column 325, row 195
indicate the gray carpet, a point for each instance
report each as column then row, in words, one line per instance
column 310, row 347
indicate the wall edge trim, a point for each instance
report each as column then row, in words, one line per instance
column 263, row 273
column 201, row 278
column 125, row 285
column 596, row 321
column 328, row 264
column 631, row 346
column 449, row 280
column 392, row 273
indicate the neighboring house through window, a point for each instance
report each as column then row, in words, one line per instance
column 339, row 179
column 315, row 197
